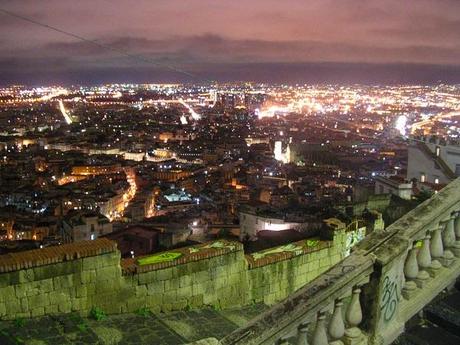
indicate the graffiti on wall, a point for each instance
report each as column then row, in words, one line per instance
column 390, row 299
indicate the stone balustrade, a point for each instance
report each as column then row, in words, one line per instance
column 368, row 297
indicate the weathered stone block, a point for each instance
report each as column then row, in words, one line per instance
column 14, row 277
column 48, row 272
column 2, row 309
column 172, row 284
column 141, row 291
column 7, row 293
column 24, row 304
column 180, row 304
column 170, row 295
column 59, row 298
column 36, row 312
column 4, row 280
column 325, row 262
column 335, row 259
column 39, row 287
column 185, row 281
column 200, row 277
column 166, row 307
column 65, row 307
column 78, row 304
column 147, row 277
column 27, row 276
column 115, row 308
column 135, row 304
column 156, row 287
column 80, row 291
column 90, row 289
column 106, row 260
column 12, row 306
column 38, row 301
column 154, row 299
column 63, row 282
column 21, row 290
column 204, row 265
column 109, row 273
column 209, row 299
column 221, row 282
column 183, row 270
column 51, row 310
column 196, row 301
column 197, row 289
column 184, row 292
column 46, row 285
column 164, row 274
column 70, row 267
column 194, row 267
column 88, row 276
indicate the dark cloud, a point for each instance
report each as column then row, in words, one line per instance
column 435, row 29
column 214, row 48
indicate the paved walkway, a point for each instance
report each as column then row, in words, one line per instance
column 130, row 329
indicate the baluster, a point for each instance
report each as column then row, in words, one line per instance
column 448, row 237
column 283, row 341
column 410, row 273
column 424, row 258
column 424, row 262
column 302, row 334
column 320, row 335
column 336, row 325
column 456, row 245
column 448, row 257
column 424, row 255
column 353, row 317
column 436, row 247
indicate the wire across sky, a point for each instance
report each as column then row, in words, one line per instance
column 122, row 52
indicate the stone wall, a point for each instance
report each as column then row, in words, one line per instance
column 212, row 276
column 78, row 277
column 274, row 281
column 58, row 279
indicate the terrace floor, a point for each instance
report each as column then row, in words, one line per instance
column 160, row 329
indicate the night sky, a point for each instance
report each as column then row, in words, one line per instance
column 346, row 41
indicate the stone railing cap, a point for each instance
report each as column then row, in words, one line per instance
column 51, row 255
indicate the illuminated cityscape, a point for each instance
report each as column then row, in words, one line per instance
column 284, row 175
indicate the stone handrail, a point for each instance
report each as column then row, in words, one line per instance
column 305, row 303
column 391, row 276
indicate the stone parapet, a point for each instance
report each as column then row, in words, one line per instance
column 280, row 253
column 180, row 256
column 52, row 255
column 77, row 277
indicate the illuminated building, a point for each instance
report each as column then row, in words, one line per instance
column 96, row 169
column 278, row 151
column 252, row 221
column 84, row 226
column 431, row 160
column 384, row 185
